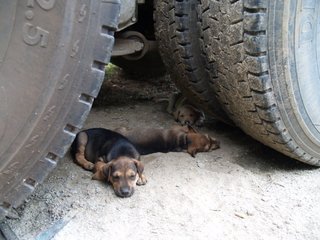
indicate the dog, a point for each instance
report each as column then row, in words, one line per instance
column 184, row 112
column 189, row 115
column 176, row 139
column 112, row 157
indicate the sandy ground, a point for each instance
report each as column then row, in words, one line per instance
column 242, row 191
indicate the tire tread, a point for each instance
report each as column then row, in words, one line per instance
column 182, row 54
column 242, row 82
column 108, row 14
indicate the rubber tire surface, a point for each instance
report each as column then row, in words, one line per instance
column 52, row 60
column 264, row 65
column 178, row 35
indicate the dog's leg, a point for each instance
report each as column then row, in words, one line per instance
column 82, row 161
column 142, row 180
column 101, row 170
column 80, row 154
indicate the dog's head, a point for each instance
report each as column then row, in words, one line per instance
column 198, row 142
column 188, row 115
column 123, row 173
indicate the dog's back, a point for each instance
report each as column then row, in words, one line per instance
column 106, row 143
column 175, row 139
column 152, row 140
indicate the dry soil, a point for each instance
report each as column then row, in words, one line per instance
column 243, row 190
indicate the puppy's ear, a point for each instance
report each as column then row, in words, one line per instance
column 139, row 166
column 176, row 115
column 102, row 171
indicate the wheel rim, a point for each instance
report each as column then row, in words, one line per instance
column 305, row 59
column 307, row 50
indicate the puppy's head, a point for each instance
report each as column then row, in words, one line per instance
column 188, row 115
column 198, row 142
column 123, row 173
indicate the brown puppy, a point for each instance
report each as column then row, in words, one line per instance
column 123, row 173
column 151, row 140
column 111, row 156
column 175, row 139
column 189, row 115
column 184, row 112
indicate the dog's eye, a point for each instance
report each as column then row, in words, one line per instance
column 132, row 176
column 191, row 115
column 181, row 115
column 115, row 178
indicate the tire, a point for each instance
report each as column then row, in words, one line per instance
column 178, row 36
column 52, row 58
column 265, row 67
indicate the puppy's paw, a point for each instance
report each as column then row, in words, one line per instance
column 142, row 180
column 89, row 166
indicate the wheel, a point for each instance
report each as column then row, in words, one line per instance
column 52, row 58
column 265, row 66
column 178, row 36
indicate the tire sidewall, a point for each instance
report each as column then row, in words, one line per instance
column 287, row 61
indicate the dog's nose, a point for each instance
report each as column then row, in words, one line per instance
column 125, row 191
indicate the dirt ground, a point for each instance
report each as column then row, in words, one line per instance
column 243, row 190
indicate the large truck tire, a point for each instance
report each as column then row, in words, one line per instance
column 178, row 35
column 52, row 60
column 265, row 61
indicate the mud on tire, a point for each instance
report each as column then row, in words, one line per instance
column 52, row 58
column 263, row 57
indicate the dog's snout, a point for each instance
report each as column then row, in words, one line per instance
column 125, row 191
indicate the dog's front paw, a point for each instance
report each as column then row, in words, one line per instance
column 89, row 166
column 142, row 180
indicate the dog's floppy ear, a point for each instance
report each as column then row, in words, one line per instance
column 139, row 166
column 176, row 115
column 102, row 171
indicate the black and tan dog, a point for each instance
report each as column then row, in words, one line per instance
column 111, row 157
column 175, row 139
